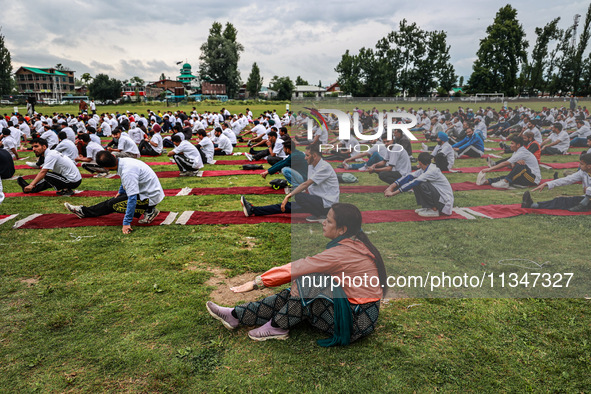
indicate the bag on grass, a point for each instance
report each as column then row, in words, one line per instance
column 252, row 167
column 277, row 184
column 347, row 178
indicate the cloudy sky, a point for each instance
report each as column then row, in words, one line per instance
column 307, row 38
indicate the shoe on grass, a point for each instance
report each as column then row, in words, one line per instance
column 246, row 207
column 248, row 156
column 428, row 213
column 65, row 192
column 22, row 183
column 481, row 178
column 424, row 147
column 222, row 314
column 267, row 331
column 526, row 200
column 32, row 164
column 490, row 162
column 502, row 184
column 149, row 216
column 75, row 209
column 579, row 208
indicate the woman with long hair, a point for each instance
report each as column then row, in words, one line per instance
column 337, row 291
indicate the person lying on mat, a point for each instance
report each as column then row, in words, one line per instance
column 573, row 204
column 347, row 313
column 139, row 193
column 431, row 188
column 323, row 191
column 525, row 170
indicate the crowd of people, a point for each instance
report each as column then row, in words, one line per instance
column 193, row 140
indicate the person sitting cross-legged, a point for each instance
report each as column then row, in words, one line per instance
column 431, row 188
column 346, row 312
column 186, row 156
column 525, row 170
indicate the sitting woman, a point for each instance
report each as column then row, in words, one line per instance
column 338, row 290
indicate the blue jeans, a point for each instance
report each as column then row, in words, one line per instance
column 579, row 141
column 292, row 176
column 373, row 159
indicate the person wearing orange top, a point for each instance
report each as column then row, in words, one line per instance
column 337, row 291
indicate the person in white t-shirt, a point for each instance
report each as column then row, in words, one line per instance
column 152, row 146
column 66, row 147
column 557, row 142
column 138, row 195
column 205, row 147
column 89, row 161
column 396, row 164
column 525, row 170
column 125, row 146
column 322, row 186
column 223, row 146
column 9, row 144
column 57, row 171
column 186, row 156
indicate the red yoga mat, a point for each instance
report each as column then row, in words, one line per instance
column 63, row 220
column 512, row 210
column 559, row 166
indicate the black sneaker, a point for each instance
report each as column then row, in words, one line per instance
column 246, row 207
column 556, row 175
column 579, row 208
column 65, row 192
column 22, row 183
column 526, row 200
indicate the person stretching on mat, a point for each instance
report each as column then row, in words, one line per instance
column 139, row 193
column 348, row 313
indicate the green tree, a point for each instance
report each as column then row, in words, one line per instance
column 5, row 68
column 578, row 53
column 300, row 81
column 136, row 81
column 85, row 78
column 500, row 55
column 255, row 81
column 162, row 77
column 349, row 71
column 534, row 73
column 219, row 57
column 283, row 86
column 105, row 88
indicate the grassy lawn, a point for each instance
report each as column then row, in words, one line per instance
column 90, row 310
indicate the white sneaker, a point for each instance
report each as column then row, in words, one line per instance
column 420, row 210
column 100, row 175
column 346, row 166
column 425, row 147
column 248, row 156
column 32, row 164
column 364, row 168
column 502, row 184
column 429, row 213
column 490, row 162
column 481, row 178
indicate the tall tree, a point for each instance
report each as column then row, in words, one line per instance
column 137, row 81
column 85, row 78
column 219, row 57
column 105, row 88
column 255, row 81
column 162, row 77
column 500, row 55
column 578, row 54
column 300, row 81
column 349, row 71
column 5, row 68
column 534, row 73
column 283, row 86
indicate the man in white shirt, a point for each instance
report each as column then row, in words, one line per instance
column 323, row 191
column 152, row 146
column 431, row 188
column 573, row 204
column 139, row 193
column 57, row 171
column 66, row 147
column 223, row 146
column 89, row 161
column 274, row 152
column 579, row 137
column 557, row 142
column 125, row 146
column 9, row 144
column 443, row 153
column 396, row 164
column 525, row 169
column 205, row 147
column 186, row 156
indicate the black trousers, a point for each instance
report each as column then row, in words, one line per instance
column 389, row 176
column 203, row 157
column 427, row 196
column 146, row 149
column 441, row 162
column 116, row 204
column 56, row 181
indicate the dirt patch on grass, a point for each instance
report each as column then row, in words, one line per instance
column 222, row 294
column 29, row 282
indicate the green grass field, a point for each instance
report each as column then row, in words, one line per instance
column 91, row 310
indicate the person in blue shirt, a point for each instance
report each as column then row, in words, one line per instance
column 294, row 167
column 472, row 145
